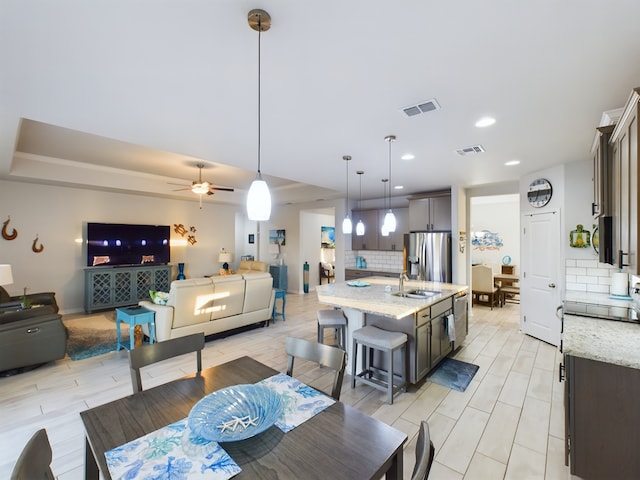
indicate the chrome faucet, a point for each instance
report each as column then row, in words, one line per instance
column 403, row 277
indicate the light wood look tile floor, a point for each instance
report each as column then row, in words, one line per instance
column 507, row 424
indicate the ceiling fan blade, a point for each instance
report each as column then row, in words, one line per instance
column 181, row 189
column 179, row 184
column 223, row 189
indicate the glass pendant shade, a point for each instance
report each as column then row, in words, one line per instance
column 347, row 226
column 390, row 221
column 384, row 231
column 360, row 228
column 259, row 201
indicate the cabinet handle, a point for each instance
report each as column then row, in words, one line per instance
column 33, row 330
column 561, row 372
column 593, row 208
column 621, row 254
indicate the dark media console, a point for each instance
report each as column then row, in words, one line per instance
column 110, row 287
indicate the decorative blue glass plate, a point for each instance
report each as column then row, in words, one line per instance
column 358, row 283
column 235, row 413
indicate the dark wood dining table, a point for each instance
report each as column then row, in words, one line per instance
column 338, row 443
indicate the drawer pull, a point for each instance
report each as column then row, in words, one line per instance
column 33, row 330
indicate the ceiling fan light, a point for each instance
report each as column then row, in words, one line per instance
column 390, row 221
column 200, row 188
column 259, row 201
column 360, row 228
column 347, row 226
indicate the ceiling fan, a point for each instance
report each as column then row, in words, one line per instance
column 200, row 187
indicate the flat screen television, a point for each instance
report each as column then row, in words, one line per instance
column 112, row 244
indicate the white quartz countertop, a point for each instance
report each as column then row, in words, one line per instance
column 591, row 298
column 374, row 299
column 603, row 340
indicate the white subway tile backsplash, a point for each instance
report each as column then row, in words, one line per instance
column 587, row 263
column 598, row 288
column 570, row 279
column 598, row 272
column 578, row 287
column 569, row 262
column 587, row 276
column 576, row 271
column 587, row 279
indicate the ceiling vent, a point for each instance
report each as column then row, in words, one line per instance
column 422, row 107
column 469, row 150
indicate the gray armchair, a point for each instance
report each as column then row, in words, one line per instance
column 7, row 302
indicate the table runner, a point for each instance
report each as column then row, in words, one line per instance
column 176, row 452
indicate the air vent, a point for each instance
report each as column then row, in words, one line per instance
column 470, row 150
column 422, row 107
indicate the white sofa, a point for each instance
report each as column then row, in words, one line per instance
column 213, row 305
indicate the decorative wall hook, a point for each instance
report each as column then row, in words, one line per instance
column 5, row 230
column 35, row 246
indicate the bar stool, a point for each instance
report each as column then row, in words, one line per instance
column 333, row 319
column 282, row 295
column 373, row 338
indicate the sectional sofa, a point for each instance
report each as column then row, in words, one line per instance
column 213, row 304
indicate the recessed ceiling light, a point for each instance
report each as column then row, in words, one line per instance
column 485, row 122
column 398, row 187
column 512, row 163
column 408, row 156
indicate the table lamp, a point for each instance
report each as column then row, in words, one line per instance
column 6, row 277
column 224, row 257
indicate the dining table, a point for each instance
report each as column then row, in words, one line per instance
column 340, row 442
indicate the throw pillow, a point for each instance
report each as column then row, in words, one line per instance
column 159, row 298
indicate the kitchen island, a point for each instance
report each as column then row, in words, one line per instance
column 375, row 301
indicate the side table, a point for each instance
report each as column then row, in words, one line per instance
column 280, row 294
column 134, row 316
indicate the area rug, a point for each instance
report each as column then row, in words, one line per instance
column 93, row 335
column 454, row 374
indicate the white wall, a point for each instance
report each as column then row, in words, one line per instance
column 58, row 216
column 498, row 214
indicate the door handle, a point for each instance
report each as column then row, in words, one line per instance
column 557, row 310
column 561, row 373
column 552, row 285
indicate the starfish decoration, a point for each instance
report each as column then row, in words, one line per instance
column 242, row 422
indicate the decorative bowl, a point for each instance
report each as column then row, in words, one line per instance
column 235, row 413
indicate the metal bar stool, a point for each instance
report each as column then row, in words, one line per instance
column 333, row 319
column 373, row 338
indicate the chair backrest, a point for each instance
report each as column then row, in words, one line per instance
column 325, row 355
column 148, row 354
column 482, row 278
column 35, row 460
column 425, row 452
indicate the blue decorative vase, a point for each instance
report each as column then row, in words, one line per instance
column 181, row 271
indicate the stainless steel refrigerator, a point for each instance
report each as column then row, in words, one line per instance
column 428, row 256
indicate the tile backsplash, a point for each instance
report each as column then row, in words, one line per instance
column 588, row 275
column 376, row 260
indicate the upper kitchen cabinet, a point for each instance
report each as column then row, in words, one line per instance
column 624, row 145
column 602, row 171
column 395, row 240
column 368, row 241
column 430, row 213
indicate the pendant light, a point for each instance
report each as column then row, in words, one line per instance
column 360, row 225
column 390, row 218
column 259, row 197
column 384, row 230
column 347, row 226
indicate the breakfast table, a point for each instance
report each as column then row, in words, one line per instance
column 339, row 442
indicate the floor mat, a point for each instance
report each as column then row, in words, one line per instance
column 91, row 336
column 454, row 374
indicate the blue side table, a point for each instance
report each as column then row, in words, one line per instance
column 134, row 316
column 280, row 294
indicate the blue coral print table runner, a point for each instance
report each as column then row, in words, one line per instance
column 177, row 453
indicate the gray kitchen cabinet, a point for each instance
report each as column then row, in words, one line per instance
column 368, row 241
column 440, row 344
column 601, row 154
column 601, row 419
column 106, row 288
column 624, row 144
column 395, row 240
column 430, row 213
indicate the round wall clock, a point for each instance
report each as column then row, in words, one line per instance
column 539, row 192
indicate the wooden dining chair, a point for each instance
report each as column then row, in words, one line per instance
column 482, row 283
column 148, row 354
column 425, row 451
column 35, row 460
column 324, row 355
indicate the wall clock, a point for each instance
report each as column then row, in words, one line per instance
column 539, row 192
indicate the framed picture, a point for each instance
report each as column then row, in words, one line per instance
column 252, row 238
column 328, row 237
column 278, row 237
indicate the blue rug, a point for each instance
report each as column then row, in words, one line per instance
column 454, row 374
column 91, row 336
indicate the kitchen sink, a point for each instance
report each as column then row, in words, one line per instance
column 417, row 293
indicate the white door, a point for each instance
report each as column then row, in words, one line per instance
column 540, row 289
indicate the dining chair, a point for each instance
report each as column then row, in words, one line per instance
column 148, row 354
column 35, row 460
column 482, row 283
column 425, row 451
column 324, row 355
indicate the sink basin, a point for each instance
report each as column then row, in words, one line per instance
column 416, row 293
